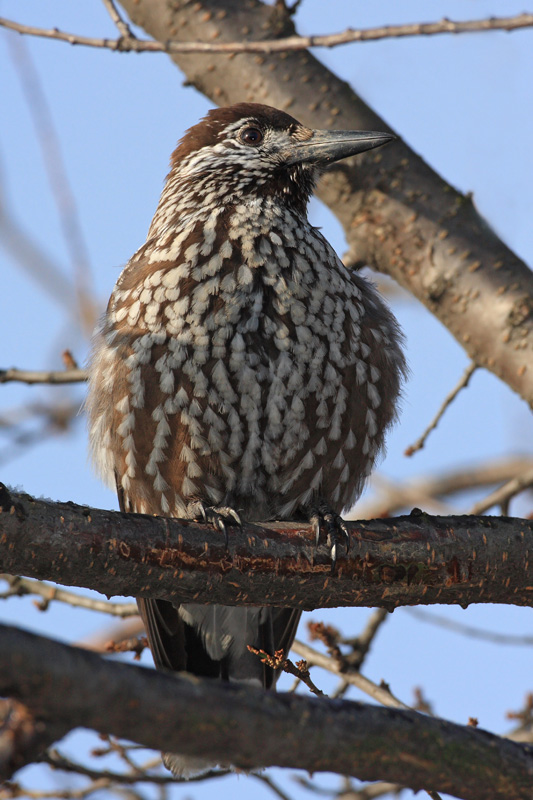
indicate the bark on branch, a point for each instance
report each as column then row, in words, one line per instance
column 128, row 42
column 399, row 216
column 214, row 720
column 417, row 559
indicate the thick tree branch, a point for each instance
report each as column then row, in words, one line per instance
column 399, row 216
column 213, row 720
column 401, row 561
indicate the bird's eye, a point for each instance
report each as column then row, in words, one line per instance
column 251, row 136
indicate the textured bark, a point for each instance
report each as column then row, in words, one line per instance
column 214, row 720
column 410, row 560
column 399, row 216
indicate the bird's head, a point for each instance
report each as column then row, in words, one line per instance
column 252, row 149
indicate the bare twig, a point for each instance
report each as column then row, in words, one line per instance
column 123, row 28
column 117, row 632
column 131, row 44
column 301, row 671
column 381, row 693
column 53, row 419
column 370, row 792
column 423, row 491
column 470, row 630
column 29, row 254
column 267, row 781
column 134, row 645
column 43, row 376
column 59, row 761
column 448, row 400
column 505, row 493
column 58, row 179
column 26, row 586
column 13, row 790
column 360, row 645
column 279, row 661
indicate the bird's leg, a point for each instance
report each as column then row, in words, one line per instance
column 218, row 516
column 321, row 514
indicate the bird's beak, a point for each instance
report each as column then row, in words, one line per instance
column 325, row 147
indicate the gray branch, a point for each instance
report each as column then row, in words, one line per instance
column 128, row 43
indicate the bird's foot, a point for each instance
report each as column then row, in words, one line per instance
column 337, row 533
column 218, row 516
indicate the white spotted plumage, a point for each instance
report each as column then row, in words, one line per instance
column 319, row 357
column 239, row 364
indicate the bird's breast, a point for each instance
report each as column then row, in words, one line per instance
column 250, row 367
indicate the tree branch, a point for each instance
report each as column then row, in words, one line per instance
column 127, row 42
column 399, row 216
column 392, row 497
column 448, row 400
column 31, row 376
column 382, row 694
column 18, row 587
column 213, row 720
column 503, row 494
column 401, row 561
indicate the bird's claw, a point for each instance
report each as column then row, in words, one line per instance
column 219, row 517
column 336, row 531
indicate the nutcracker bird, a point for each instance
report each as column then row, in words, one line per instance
column 240, row 367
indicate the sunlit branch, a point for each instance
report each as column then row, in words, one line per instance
column 43, row 376
column 128, row 43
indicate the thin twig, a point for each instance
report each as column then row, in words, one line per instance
column 43, row 376
column 380, row 693
column 58, row 761
column 61, row 762
column 463, row 383
column 278, row 661
column 128, row 44
column 370, row 792
column 260, row 776
column 361, row 644
column 505, row 493
column 28, row 586
column 123, row 28
column 53, row 419
column 470, row 630
column 30, row 256
column 58, row 179
column 423, row 491
column 15, row 790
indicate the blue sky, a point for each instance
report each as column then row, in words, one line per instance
column 465, row 103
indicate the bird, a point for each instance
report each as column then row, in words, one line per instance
column 241, row 370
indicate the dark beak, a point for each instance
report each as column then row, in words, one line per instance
column 325, row 147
